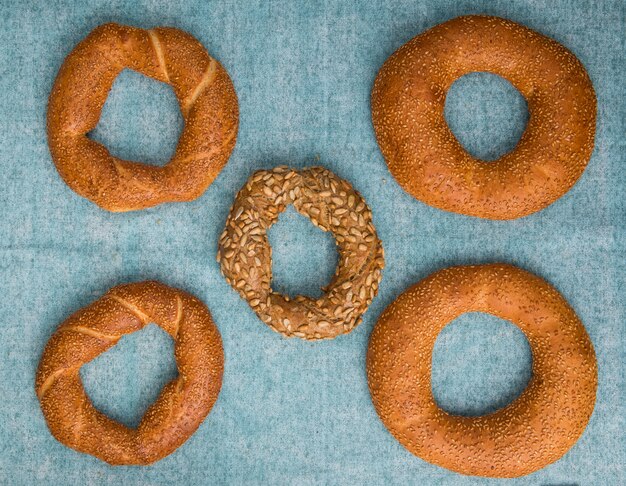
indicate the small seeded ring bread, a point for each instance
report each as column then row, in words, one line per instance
column 207, row 101
column 331, row 204
column 183, row 403
column 422, row 153
column 536, row 429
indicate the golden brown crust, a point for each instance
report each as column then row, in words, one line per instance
column 428, row 161
column 332, row 205
column 207, row 100
column 183, row 403
column 534, row 430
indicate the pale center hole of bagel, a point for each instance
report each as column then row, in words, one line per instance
column 304, row 257
column 125, row 380
column 140, row 121
column 480, row 364
column 486, row 114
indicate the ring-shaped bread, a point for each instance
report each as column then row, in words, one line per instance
column 204, row 91
column 427, row 160
column 537, row 428
column 331, row 204
column 183, row 403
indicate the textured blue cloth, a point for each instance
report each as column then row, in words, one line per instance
column 291, row 411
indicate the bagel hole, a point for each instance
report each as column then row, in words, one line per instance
column 125, row 380
column 486, row 114
column 480, row 364
column 304, row 257
column 140, row 120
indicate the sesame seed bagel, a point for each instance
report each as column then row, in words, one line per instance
column 204, row 92
column 427, row 160
column 537, row 428
column 183, row 403
column 332, row 205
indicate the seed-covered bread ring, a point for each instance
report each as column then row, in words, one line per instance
column 207, row 101
column 429, row 162
column 534, row 430
column 183, row 403
column 331, row 204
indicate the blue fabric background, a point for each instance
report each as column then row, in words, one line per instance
column 291, row 411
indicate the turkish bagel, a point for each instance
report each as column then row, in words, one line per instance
column 183, row 403
column 537, row 428
column 421, row 151
column 204, row 91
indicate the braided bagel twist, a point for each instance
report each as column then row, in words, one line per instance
column 204, row 92
column 183, row 403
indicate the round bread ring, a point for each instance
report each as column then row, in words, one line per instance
column 332, row 205
column 534, row 430
column 202, row 87
column 422, row 153
column 183, row 403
